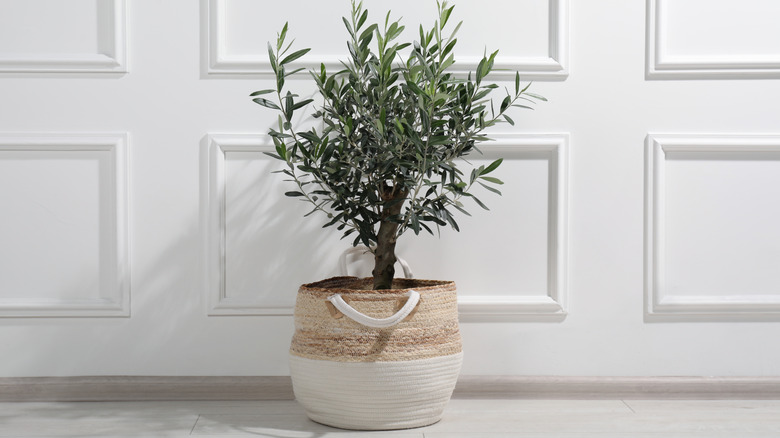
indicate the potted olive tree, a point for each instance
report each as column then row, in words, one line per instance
column 386, row 158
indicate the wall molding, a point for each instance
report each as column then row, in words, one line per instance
column 662, row 65
column 114, row 300
column 659, row 303
column 553, row 301
column 554, row 66
column 549, row 303
column 112, row 40
column 218, row 301
column 192, row 388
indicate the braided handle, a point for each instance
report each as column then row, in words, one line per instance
column 360, row 318
column 362, row 249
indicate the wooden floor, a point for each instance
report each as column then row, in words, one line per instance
column 464, row 418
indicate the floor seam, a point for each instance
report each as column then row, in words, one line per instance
column 195, row 425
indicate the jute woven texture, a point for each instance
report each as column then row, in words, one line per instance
column 431, row 331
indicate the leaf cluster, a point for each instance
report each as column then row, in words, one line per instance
column 396, row 125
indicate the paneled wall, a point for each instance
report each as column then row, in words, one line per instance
column 143, row 233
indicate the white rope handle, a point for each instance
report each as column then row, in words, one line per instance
column 363, row 249
column 351, row 313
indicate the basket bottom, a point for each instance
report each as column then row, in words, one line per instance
column 375, row 395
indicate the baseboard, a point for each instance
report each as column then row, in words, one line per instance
column 142, row 388
column 158, row 388
column 624, row 388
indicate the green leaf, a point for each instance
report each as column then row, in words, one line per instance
column 290, row 73
column 494, row 190
column 399, row 126
column 491, row 61
column 288, row 106
column 493, row 166
column 282, row 35
column 446, row 16
column 479, row 202
column 272, row 57
column 480, row 70
column 368, row 33
column 415, row 89
column 349, row 26
column 492, row 180
column 452, row 222
column 447, row 63
column 334, row 220
column 437, row 140
column 266, row 103
column 427, row 228
column 302, row 104
column 449, row 47
column 292, row 57
column 261, row 92
column 536, row 96
column 509, row 120
column 517, row 82
column 461, row 209
column 485, row 66
column 310, row 136
column 505, row 103
column 362, row 19
column 415, row 223
column 293, row 194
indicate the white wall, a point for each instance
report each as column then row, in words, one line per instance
column 637, row 234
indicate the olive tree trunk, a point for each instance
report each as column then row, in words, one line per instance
column 384, row 254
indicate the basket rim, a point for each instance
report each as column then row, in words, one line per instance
column 341, row 284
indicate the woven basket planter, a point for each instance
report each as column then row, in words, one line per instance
column 375, row 360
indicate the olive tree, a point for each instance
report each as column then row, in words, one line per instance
column 395, row 126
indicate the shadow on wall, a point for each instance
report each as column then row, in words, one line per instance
column 169, row 332
column 269, row 247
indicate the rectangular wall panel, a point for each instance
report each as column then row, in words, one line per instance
column 247, row 275
column 713, row 243
column 240, row 264
column 510, row 261
column 52, row 36
column 699, row 39
column 532, row 35
column 64, row 226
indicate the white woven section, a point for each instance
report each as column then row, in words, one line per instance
column 375, row 395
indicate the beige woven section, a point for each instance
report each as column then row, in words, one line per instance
column 431, row 331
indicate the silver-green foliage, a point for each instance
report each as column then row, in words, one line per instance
column 394, row 129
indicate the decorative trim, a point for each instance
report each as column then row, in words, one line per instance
column 662, row 65
column 553, row 301
column 156, row 388
column 552, row 67
column 115, row 295
column 112, row 40
column 218, row 301
column 659, row 303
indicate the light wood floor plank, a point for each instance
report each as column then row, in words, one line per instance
column 463, row 419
